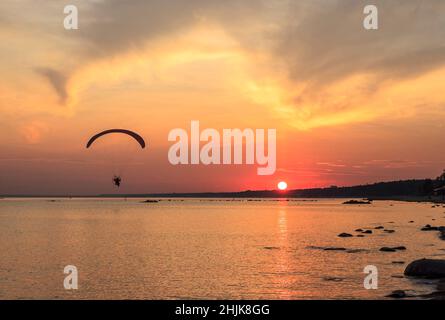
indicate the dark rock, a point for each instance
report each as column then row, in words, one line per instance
column 334, row 249
column 397, row 294
column 358, row 230
column 379, row 227
column 411, row 221
column 357, row 202
column 392, row 249
column 271, row 248
column 345, row 235
column 426, row 268
column 389, row 231
column 436, row 295
column 398, row 262
column 367, row 231
column 360, row 236
column 428, row 227
column 335, row 279
column 442, row 233
column 441, row 285
column 150, row 201
column 387, row 249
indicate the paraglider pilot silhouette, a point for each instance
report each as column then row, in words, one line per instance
column 117, row 180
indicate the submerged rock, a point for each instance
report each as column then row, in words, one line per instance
column 357, row 202
column 442, row 233
column 338, row 249
column 345, row 235
column 150, row 201
column 436, row 295
column 367, row 231
column 397, row 294
column 379, row 227
column 389, row 231
column 334, row 249
column 429, row 227
column 387, row 249
column 392, row 249
column 335, row 279
column 426, row 268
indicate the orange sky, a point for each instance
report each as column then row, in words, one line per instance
column 350, row 106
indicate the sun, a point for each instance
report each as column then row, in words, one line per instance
column 282, row 185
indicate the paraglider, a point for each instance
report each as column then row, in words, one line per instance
column 117, row 180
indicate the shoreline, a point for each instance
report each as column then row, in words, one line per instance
column 419, row 199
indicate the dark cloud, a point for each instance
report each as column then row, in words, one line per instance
column 114, row 26
column 316, row 41
column 328, row 41
column 319, row 41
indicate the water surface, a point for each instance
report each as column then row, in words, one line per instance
column 209, row 248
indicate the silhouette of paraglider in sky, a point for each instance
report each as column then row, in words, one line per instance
column 117, row 179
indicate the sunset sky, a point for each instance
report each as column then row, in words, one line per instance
column 350, row 106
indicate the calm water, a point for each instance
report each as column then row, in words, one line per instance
column 210, row 249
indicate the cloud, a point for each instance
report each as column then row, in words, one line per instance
column 328, row 41
column 57, row 80
column 311, row 61
column 115, row 26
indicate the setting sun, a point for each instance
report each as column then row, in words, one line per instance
column 282, row 185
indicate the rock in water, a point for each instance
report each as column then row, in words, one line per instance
column 398, row 294
column 392, row 249
column 442, row 233
column 426, row 268
column 428, row 227
column 386, row 249
column 357, row 202
column 150, row 201
column 345, row 235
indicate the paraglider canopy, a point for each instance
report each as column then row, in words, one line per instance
column 132, row 134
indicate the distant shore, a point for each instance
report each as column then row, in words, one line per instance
column 415, row 190
column 419, row 199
